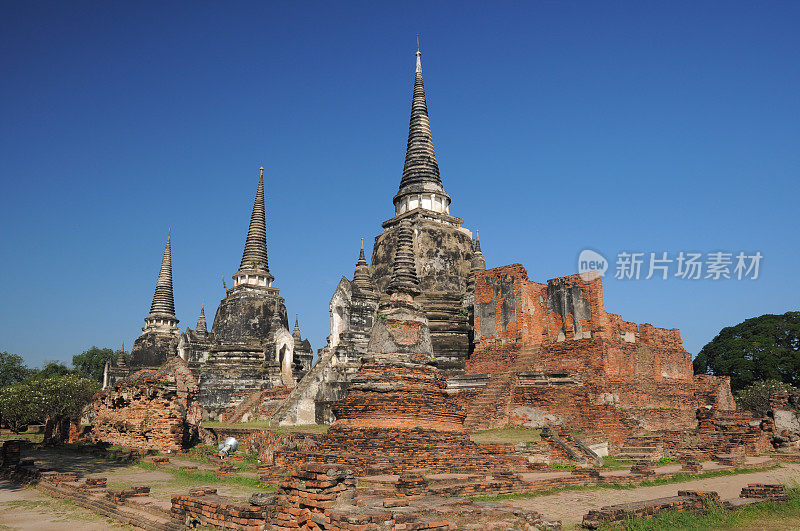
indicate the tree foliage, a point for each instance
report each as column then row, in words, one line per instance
column 761, row 348
column 37, row 400
column 13, row 370
column 755, row 397
column 91, row 363
column 15, row 408
column 52, row 369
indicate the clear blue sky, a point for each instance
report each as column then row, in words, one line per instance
column 644, row 126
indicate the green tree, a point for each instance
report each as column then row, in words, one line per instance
column 13, row 370
column 54, row 400
column 91, row 363
column 16, row 410
column 52, row 369
column 761, row 348
column 755, row 397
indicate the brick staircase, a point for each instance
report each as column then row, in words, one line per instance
column 640, row 448
column 249, row 402
column 578, row 451
column 328, row 371
column 492, row 408
column 731, row 432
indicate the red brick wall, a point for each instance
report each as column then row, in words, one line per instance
column 154, row 411
column 613, row 363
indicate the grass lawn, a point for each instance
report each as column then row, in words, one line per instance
column 764, row 516
column 264, row 425
column 506, row 435
column 196, row 478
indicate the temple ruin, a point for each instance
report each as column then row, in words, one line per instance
column 425, row 339
column 250, row 347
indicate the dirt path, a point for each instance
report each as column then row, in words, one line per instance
column 27, row 508
column 571, row 506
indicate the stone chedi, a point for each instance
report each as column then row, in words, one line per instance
column 397, row 384
column 251, row 347
column 195, row 345
column 160, row 333
column 443, row 249
column 246, row 311
column 397, row 414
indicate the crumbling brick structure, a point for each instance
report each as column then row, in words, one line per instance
column 151, row 410
column 554, row 355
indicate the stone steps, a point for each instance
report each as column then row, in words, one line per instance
column 639, row 449
column 317, row 373
column 491, row 408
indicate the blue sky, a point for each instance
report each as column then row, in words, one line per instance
column 558, row 126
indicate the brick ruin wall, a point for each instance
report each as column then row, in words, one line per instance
column 566, row 357
column 153, row 410
column 381, row 450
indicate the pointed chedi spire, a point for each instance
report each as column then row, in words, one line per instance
column 276, row 317
column 296, row 331
column 361, row 258
column 162, row 309
column 202, row 327
column 478, row 263
column 121, row 356
column 254, row 267
column 404, row 269
column 255, row 247
column 361, row 276
column 421, row 185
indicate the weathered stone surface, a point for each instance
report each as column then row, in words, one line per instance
column 153, row 349
column 246, row 314
column 443, row 253
column 786, row 420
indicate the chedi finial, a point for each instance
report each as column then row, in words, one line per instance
column 404, row 268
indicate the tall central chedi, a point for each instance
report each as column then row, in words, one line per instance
column 246, row 312
column 443, row 262
column 253, row 348
column 442, row 247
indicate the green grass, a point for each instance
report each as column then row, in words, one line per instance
column 218, row 424
column 264, row 425
column 612, row 463
column 677, row 478
column 758, row 516
column 667, row 461
column 301, row 428
column 190, row 478
column 506, row 435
